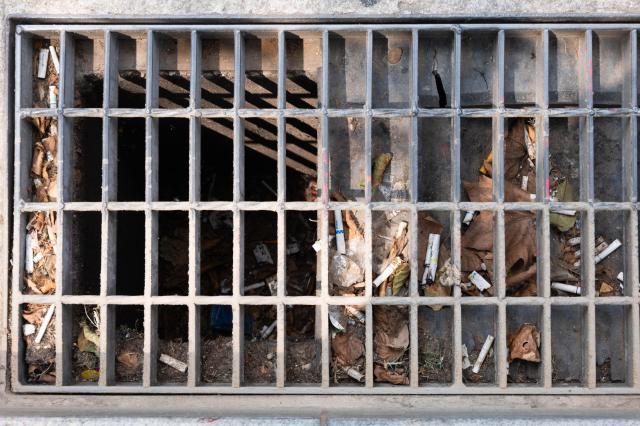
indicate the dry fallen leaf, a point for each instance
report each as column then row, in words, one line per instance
column 129, row 359
column 524, row 343
column 391, row 338
column 394, row 378
column 347, row 348
column 380, row 164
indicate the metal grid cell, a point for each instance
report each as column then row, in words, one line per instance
column 371, row 38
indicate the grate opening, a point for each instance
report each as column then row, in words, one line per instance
column 180, row 193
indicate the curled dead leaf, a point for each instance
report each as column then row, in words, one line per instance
column 129, row 359
column 524, row 343
column 391, row 338
column 347, row 348
column 383, row 375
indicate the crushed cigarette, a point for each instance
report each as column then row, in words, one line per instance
column 468, row 217
column 479, row 281
column 574, row 241
column 45, row 323
column 172, row 362
column 340, row 244
column 54, row 59
column 465, row 357
column 262, row 255
column 317, row 246
column 568, row 288
column 483, row 354
column 267, row 332
column 28, row 329
column 431, row 259
column 43, row 58
column 356, row 313
column 353, row 373
column 616, row 244
column 390, row 269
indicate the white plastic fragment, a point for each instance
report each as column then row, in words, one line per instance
column 390, row 269
column 465, row 357
column 54, row 58
column 28, row 259
column 334, row 321
column 266, row 332
column 479, row 281
column 293, row 248
column 525, row 182
column 431, row 259
column 43, row 58
column 468, row 217
column 355, row 312
column 483, row 353
column 53, row 98
column 317, row 246
column 574, row 241
column 616, row 244
column 340, row 244
column 567, row 288
column 353, row 373
column 37, row 258
column 261, row 252
column 45, row 323
column 172, row 362
column 28, row 329
column 620, row 277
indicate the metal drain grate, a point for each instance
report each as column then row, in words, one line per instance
column 386, row 95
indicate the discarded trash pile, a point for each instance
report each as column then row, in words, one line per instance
column 41, row 231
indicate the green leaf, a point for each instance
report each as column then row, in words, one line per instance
column 400, row 277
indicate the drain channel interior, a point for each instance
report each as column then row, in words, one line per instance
column 179, row 150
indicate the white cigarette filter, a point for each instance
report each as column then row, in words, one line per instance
column 390, row 269
column 340, row 233
column 427, row 259
column 479, row 281
column 574, row 241
column 402, row 226
column 45, row 323
column 433, row 262
column 354, row 374
column 43, row 58
column 266, row 333
column 568, row 288
column 54, row 58
column 53, row 98
column 616, row 244
column 172, row 362
column 356, row 313
column 468, row 217
column 483, row 354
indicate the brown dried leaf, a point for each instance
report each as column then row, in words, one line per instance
column 482, row 191
column 394, row 378
column 33, row 313
column 391, row 338
column 347, row 348
column 380, row 164
column 524, row 344
column 129, row 359
column 520, row 240
column 479, row 235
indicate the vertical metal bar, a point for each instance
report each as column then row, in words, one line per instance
column 109, row 191
column 456, row 239
column 151, row 217
column 323, row 172
column 282, row 214
column 413, row 223
column 498, row 88
column 193, row 375
column 368, row 214
column 238, row 216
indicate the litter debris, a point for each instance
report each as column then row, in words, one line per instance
column 620, row 277
column 53, row 97
column 317, row 246
column 28, row 329
column 345, row 272
column 354, row 374
column 483, row 354
column 616, row 244
column 347, row 349
column 574, row 241
column 567, row 288
column 339, row 232
column 390, row 269
column 391, row 341
column 54, row 59
column 43, row 58
column 524, row 343
column 172, row 362
column 267, row 330
column 606, row 289
column 477, row 280
column 262, row 255
column 45, row 323
column 431, row 259
column 465, row 357
column 356, row 313
column 468, row 217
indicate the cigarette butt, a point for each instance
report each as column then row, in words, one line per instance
column 53, row 98
column 568, row 288
column 54, row 58
column 574, row 241
column 427, row 258
column 353, row 373
column 172, row 362
column 402, row 226
column 483, row 354
column 43, row 58
column 340, row 245
column 525, row 182
column 356, row 313
column 28, row 250
column 616, row 244
column 433, row 261
column 266, row 333
column 468, row 217
column 45, row 323
column 387, row 271
column 479, row 281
